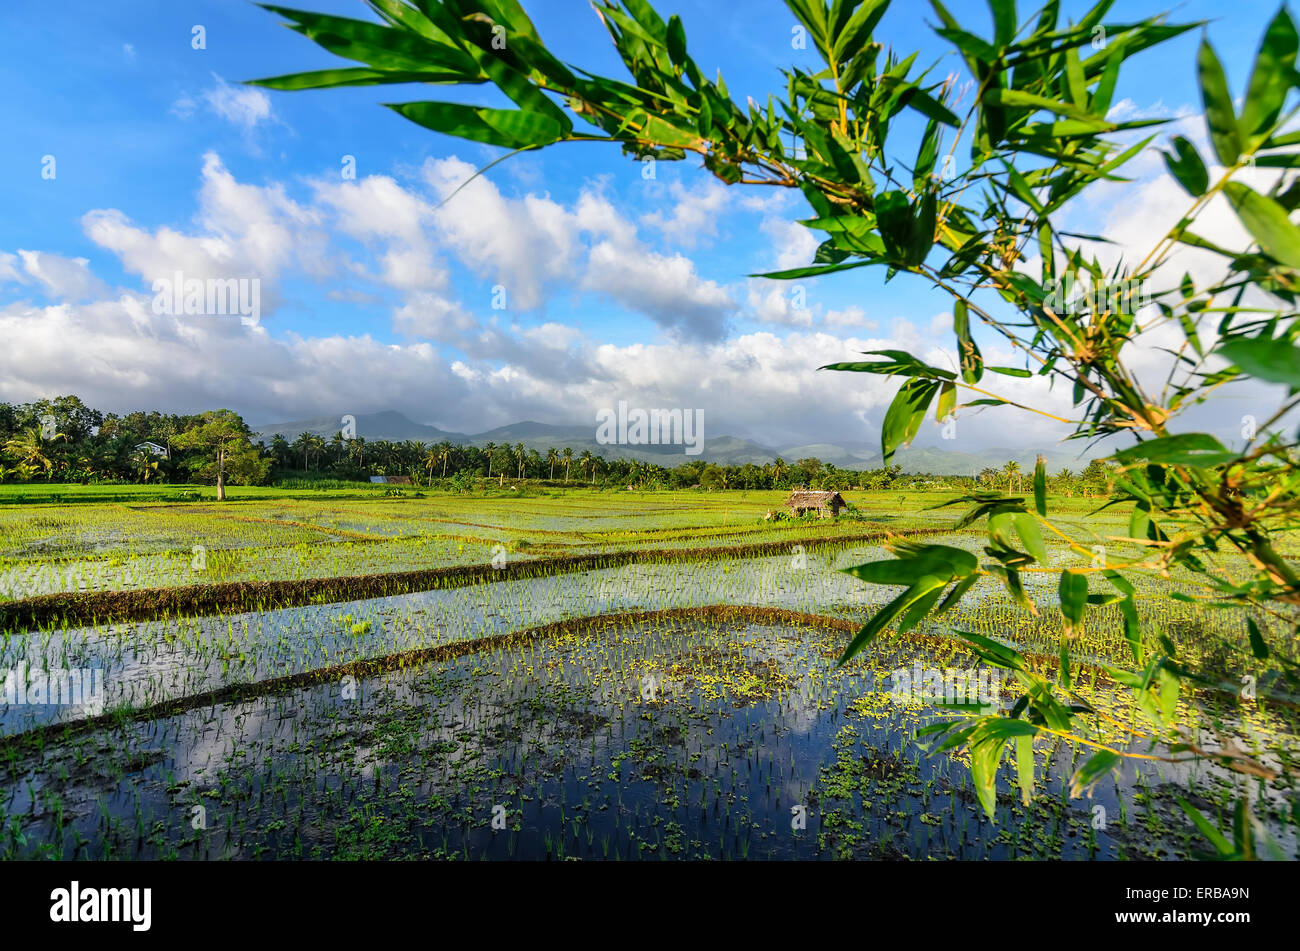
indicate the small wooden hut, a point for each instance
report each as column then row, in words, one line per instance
column 802, row 501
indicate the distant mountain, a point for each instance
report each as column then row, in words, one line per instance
column 727, row 450
column 389, row 425
column 951, row 462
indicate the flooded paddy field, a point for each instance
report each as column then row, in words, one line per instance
column 669, row 737
column 671, row 706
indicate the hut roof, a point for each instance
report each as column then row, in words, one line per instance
column 810, row 498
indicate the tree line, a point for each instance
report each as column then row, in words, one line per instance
column 64, row 440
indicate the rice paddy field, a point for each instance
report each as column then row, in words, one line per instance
column 560, row 674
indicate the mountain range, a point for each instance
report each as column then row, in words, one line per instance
column 393, row 426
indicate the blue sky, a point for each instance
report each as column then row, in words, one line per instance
column 373, row 297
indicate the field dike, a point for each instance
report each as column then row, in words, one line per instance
column 41, row 736
column 83, row 608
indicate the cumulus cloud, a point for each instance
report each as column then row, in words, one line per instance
column 694, row 214
column 389, row 247
column 58, row 277
column 242, row 231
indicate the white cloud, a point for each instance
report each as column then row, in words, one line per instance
column 62, row 278
column 792, row 243
column 245, row 106
column 243, row 231
column 665, row 288
column 694, row 215
column 522, row 244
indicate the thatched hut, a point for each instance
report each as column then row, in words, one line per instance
column 802, row 501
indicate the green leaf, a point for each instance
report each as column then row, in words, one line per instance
column 986, row 744
column 1270, row 79
column 904, row 416
column 1219, row 115
column 899, row 363
column 930, row 107
column 1187, row 167
column 925, row 588
column 1267, row 223
column 1257, row 645
column 661, row 132
column 1025, row 767
column 894, row 216
column 381, row 47
column 1087, row 776
column 1184, row 449
column 1217, row 838
column 1018, row 98
column 1027, row 529
column 1004, row 21
column 857, row 31
column 1040, row 486
column 1073, row 592
column 509, row 128
column 938, row 560
column 349, row 76
column 1264, row 358
column 947, row 401
column 972, row 361
column 676, row 40
column 999, row 655
column 1132, row 631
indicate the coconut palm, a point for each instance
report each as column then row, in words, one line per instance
column 552, row 455
column 144, row 464
column 568, row 461
column 27, row 448
column 1012, row 471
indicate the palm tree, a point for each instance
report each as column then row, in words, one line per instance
column 317, row 446
column 519, row 454
column 568, row 461
column 302, row 444
column 28, row 449
column 552, row 455
column 584, row 460
column 144, row 464
column 431, row 460
column 490, row 448
column 1012, row 472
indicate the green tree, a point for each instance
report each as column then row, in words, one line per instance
column 223, row 449
column 1012, row 472
column 28, row 449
